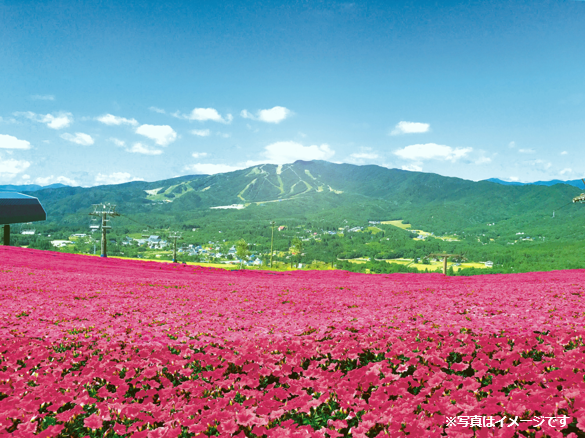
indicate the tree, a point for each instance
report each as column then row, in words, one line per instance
column 242, row 251
column 296, row 249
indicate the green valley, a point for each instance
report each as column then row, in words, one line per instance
column 340, row 212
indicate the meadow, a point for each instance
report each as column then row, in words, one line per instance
column 117, row 348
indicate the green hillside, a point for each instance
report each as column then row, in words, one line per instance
column 511, row 225
column 318, row 189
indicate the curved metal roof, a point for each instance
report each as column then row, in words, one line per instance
column 17, row 208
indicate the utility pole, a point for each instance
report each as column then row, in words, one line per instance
column 103, row 211
column 272, row 224
column 6, row 235
column 445, row 256
column 581, row 197
column 175, row 236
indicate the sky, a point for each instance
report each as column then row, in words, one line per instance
column 107, row 92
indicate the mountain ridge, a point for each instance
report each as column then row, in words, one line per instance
column 317, row 190
column 29, row 187
column 575, row 182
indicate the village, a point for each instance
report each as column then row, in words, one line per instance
column 223, row 252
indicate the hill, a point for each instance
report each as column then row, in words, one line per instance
column 575, row 182
column 339, row 211
column 319, row 190
column 29, row 187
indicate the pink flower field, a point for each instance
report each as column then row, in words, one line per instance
column 117, row 348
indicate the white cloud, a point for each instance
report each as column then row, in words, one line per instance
column 513, row 179
column 10, row 142
column 564, row 153
column 162, row 135
column 565, row 171
column 201, row 132
column 139, row 148
column 526, row 151
column 272, row 115
column 45, row 181
column 43, row 97
column 204, row 114
column 412, row 168
column 118, row 142
column 8, row 121
column 211, row 169
column 115, row 178
column 9, row 168
column 410, row 128
column 224, row 134
column 432, row 151
column 110, row 119
column 364, row 156
column 59, row 121
column 199, row 154
column 512, row 144
column 157, row 110
column 79, row 138
column 539, row 164
column 483, row 160
column 283, row 152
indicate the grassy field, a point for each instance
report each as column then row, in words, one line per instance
column 426, row 234
column 432, row 266
column 277, row 266
column 398, row 224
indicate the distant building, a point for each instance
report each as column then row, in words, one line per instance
column 61, row 243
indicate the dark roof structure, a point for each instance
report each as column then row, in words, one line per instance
column 17, row 208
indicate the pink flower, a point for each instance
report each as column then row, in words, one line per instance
column 93, row 422
column 120, row 429
column 402, row 368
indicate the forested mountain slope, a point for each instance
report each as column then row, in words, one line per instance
column 319, row 190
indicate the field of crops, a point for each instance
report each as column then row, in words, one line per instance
column 118, row 348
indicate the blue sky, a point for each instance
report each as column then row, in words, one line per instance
column 107, row 92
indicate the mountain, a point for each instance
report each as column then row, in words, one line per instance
column 326, row 192
column 29, row 187
column 506, row 183
column 575, row 182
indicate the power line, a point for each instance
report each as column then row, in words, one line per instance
column 172, row 235
column 272, row 224
column 138, row 222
